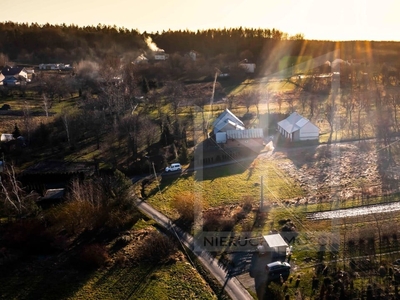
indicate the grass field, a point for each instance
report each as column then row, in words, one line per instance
column 225, row 185
column 42, row 278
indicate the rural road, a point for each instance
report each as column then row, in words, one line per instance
column 231, row 285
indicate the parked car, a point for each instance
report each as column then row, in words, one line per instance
column 174, row 167
column 277, row 269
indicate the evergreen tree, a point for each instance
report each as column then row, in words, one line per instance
column 16, row 133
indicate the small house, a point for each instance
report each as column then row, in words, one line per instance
column 12, row 75
column 6, row 137
column 247, row 66
column 141, row 59
column 297, row 128
column 227, row 121
column 160, row 55
column 193, row 55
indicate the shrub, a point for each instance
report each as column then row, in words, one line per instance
column 156, row 247
column 248, row 203
column 73, row 216
column 100, row 202
column 211, row 221
column 94, row 256
column 184, row 204
column 227, row 224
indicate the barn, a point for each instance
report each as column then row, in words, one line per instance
column 297, row 128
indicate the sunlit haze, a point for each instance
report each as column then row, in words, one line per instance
column 316, row 19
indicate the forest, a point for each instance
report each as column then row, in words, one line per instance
column 35, row 44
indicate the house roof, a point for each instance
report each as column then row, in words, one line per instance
column 54, row 194
column 275, row 240
column 227, row 117
column 10, row 71
column 253, row 133
column 293, row 123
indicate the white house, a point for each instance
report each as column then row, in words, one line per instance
column 141, row 59
column 6, row 137
column 11, row 73
column 160, row 55
column 247, row 66
column 297, row 128
column 193, row 55
column 227, row 121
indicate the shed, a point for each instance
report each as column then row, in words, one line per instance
column 276, row 243
column 51, row 197
column 297, row 128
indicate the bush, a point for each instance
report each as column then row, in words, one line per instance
column 248, row 203
column 211, row 221
column 94, row 256
column 184, row 204
column 156, row 247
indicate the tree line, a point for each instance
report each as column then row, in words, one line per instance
column 35, row 43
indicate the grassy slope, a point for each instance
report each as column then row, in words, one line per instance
column 40, row 278
column 226, row 185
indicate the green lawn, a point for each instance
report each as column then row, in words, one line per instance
column 225, row 185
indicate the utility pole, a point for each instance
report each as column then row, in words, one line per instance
column 262, row 195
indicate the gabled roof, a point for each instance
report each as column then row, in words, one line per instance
column 11, row 71
column 293, row 123
column 227, row 117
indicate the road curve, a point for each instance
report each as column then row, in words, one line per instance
column 231, row 285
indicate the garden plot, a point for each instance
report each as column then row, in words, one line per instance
column 341, row 171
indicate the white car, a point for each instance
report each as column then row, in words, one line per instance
column 174, row 167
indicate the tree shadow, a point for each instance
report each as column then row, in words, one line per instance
column 164, row 181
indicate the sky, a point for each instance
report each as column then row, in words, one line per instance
column 315, row 19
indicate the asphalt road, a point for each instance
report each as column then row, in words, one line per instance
column 231, row 285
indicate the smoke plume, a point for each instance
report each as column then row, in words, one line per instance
column 152, row 45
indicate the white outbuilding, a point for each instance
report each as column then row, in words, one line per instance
column 297, row 128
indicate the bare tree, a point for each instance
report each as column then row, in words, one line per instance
column 330, row 117
column 46, row 105
column 28, row 121
column 65, row 120
column 173, row 92
column 246, row 98
column 14, row 199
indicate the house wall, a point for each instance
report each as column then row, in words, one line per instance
column 309, row 132
column 249, row 68
column 296, row 136
column 284, row 133
column 253, row 144
column 227, row 127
